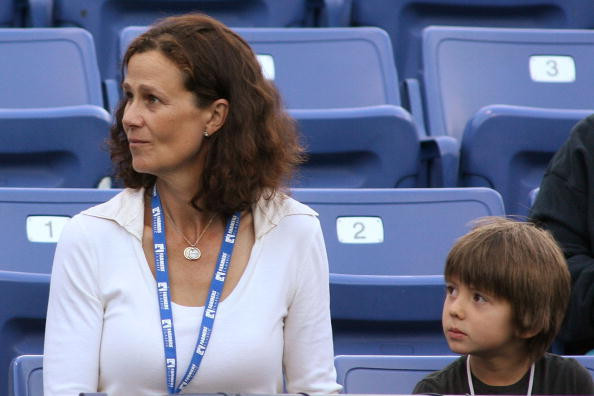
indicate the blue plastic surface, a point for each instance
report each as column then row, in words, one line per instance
column 26, row 376
column 376, row 289
column 368, row 374
column 508, row 148
column 398, row 374
column 106, row 18
column 466, row 69
column 48, row 68
column 358, row 148
column 404, row 20
column 22, row 317
column 19, row 204
column 322, row 68
column 9, row 14
column 54, row 147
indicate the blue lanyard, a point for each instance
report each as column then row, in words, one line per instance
column 212, row 299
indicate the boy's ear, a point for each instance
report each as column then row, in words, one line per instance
column 526, row 334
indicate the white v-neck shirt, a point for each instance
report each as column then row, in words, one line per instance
column 103, row 328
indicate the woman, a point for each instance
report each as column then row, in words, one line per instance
column 202, row 231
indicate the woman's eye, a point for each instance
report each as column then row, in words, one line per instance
column 128, row 95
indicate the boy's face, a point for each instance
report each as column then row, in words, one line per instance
column 477, row 323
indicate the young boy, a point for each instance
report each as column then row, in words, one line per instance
column 507, row 289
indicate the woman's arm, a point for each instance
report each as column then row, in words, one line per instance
column 74, row 318
column 308, row 352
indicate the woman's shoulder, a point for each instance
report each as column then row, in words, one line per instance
column 125, row 209
column 280, row 210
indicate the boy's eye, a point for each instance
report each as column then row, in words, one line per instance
column 450, row 290
column 479, row 298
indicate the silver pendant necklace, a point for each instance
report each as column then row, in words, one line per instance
column 192, row 252
column 471, row 388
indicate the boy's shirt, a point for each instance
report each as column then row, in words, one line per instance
column 553, row 375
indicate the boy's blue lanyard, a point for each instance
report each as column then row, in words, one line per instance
column 212, row 299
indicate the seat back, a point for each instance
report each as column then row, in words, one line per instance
column 508, row 148
column 22, row 318
column 321, row 68
column 414, row 232
column 371, row 147
column 26, row 376
column 386, row 248
column 404, row 20
column 398, row 374
column 106, row 18
column 10, row 14
column 48, row 68
column 33, row 220
column 587, row 361
column 466, row 69
column 54, row 147
column 386, row 374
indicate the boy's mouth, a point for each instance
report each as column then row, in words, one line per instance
column 456, row 333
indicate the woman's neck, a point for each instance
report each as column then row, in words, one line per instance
column 500, row 370
column 176, row 199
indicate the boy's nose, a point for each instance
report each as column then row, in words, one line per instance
column 456, row 308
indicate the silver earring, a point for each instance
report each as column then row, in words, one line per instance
column 206, row 133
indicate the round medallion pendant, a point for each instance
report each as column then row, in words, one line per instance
column 192, row 253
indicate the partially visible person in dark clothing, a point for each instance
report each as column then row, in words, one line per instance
column 565, row 206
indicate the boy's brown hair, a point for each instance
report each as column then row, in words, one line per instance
column 522, row 264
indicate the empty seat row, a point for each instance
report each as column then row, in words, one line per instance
column 369, row 374
column 386, row 248
column 492, row 107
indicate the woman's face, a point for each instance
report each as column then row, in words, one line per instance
column 161, row 119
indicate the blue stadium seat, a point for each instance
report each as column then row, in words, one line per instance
column 54, row 147
column 387, row 250
column 22, row 317
column 538, row 74
column 48, row 68
column 532, row 196
column 508, row 148
column 367, row 147
column 11, row 14
column 26, row 376
column 398, row 374
column 318, row 69
column 322, row 68
column 466, row 69
column 34, row 218
column 404, row 20
column 375, row 374
column 105, row 18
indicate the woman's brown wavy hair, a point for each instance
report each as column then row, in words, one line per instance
column 257, row 149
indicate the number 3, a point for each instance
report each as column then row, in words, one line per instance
column 553, row 68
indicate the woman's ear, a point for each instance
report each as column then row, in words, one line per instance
column 218, row 111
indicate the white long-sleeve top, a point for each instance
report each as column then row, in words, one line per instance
column 103, row 329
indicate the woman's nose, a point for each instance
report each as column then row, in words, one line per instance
column 132, row 117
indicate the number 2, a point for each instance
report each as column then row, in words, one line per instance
column 360, row 231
